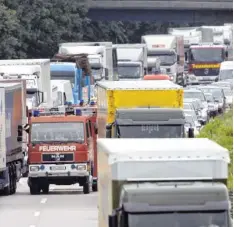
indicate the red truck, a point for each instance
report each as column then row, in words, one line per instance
column 62, row 148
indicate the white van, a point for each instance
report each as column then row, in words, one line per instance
column 63, row 88
column 226, row 70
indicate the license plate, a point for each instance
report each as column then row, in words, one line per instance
column 56, row 168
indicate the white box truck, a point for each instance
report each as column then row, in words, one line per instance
column 162, row 182
column 36, row 72
column 12, row 115
column 170, row 50
column 132, row 61
column 102, row 57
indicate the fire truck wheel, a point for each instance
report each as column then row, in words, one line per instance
column 45, row 188
column 86, row 186
column 94, row 188
column 34, row 188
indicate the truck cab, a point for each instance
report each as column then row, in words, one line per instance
column 62, row 148
column 148, row 123
column 170, row 50
column 204, row 62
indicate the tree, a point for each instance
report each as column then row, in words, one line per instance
column 45, row 24
column 9, row 26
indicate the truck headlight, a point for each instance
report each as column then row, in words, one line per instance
column 34, row 168
column 81, row 167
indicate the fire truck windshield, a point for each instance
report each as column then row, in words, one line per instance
column 57, row 132
column 207, row 54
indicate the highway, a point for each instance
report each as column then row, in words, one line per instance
column 64, row 206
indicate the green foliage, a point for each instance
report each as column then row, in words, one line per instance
column 9, row 26
column 221, row 131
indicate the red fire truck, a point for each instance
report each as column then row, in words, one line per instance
column 62, row 148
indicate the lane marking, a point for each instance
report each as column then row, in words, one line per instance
column 37, row 213
column 44, row 200
column 32, row 226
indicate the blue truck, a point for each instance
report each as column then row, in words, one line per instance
column 64, row 68
column 12, row 119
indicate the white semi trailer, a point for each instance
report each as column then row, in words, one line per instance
column 36, row 72
column 162, row 182
column 102, row 57
column 170, row 50
column 132, row 61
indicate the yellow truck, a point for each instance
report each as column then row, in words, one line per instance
column 140, row 109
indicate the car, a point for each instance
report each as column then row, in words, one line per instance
column 191, row 123
column 229, row 96
column 213, row 106
column 195, row 93
column 223, row 84
column 226, row 70
column 195, row 105
column 218, row 94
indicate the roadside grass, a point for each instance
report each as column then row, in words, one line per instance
column 220, row 130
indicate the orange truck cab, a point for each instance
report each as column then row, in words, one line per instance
column 62, row 148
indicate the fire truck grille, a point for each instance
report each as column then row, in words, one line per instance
column 58, row 157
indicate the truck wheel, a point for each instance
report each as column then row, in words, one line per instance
column 95, row 187
column 34, row 188
column 25, row 174
column 86, row 186
column 45, row 188
column 14, row 179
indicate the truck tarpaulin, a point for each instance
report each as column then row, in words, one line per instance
column 14, row 110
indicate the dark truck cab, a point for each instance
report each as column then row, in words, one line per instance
column 148, row 123
column 172, row 204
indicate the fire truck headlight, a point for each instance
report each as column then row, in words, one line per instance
column 34, row 168
column 81, row 167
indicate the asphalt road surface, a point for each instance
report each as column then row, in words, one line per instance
column 64, row 206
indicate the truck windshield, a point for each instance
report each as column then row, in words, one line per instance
column 166, row 59
column 206, row 55
column 179, row 219
column 57, row 132
column 32, row 100
column 194, row 95
column 150, row 131
column 97, row 74
column 64, row 77
column 129, row 72
column 226, row 74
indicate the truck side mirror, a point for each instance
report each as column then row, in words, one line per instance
column 95, row 129
column 108, row 130
column 178, row 58
column 106, row 74
column 20, row 133
column 113, row 220
column 186, row 56
column 226, row 54
column 191, row 133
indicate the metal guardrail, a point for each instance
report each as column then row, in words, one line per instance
column 162, row 4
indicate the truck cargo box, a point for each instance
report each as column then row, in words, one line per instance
column 134, row 94
column 13, row 109
column 155, row 160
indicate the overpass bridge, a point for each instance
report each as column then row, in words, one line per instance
column 177, row 11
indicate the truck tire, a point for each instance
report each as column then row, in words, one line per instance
column 45, row 189
column 34, row 187
column 94, row 187
column 86, row 186
column 25, row 174
column 7, row 190
column 14, row 179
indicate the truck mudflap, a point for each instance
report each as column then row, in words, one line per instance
column 53, row 170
